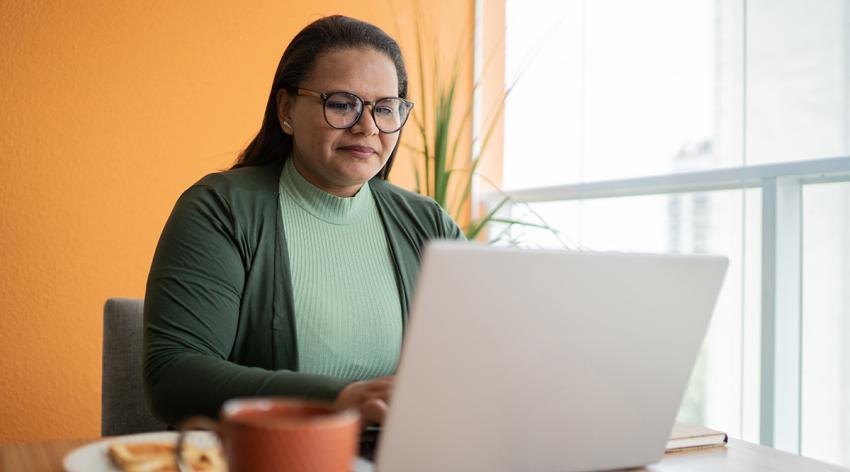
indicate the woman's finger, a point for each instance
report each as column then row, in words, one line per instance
column 374, row 410
column 382, row 384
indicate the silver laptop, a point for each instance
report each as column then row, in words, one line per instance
column 532, row 360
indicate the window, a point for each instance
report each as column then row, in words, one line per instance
column 826, row 322
column 718, row 126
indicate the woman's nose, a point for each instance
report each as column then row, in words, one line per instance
column 366, row 124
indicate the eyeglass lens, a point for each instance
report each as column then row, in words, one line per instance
column 343, row 109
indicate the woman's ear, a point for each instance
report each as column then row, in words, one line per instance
column 284, row 104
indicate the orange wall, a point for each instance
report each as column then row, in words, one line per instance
column 492, row 91
column 108, row 110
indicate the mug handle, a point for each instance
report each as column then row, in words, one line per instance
column 193, row 423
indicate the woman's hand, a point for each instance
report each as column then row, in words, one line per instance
column 370, row 397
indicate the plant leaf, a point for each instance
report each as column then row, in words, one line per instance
column 479, row 224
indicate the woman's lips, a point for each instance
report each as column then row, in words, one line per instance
column 359, row 151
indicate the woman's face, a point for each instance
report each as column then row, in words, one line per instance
column 339, row 161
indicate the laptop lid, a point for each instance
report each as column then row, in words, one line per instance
column 545, row 360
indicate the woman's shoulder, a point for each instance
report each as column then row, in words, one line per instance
column 414, row 211
column 400, row 196
column 262, row 178
column 243, row 194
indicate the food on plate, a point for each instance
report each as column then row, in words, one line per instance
column 159, row 457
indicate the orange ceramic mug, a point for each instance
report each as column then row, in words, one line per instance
column 263, row 434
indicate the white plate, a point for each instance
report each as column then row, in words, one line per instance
column 94, row 457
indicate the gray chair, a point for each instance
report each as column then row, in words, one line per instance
column 124, row 410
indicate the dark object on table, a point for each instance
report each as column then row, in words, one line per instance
column 369, row 442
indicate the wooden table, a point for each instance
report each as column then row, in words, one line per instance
column 738, row 456
column 36, row 456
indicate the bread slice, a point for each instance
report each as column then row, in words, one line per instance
column 159, row 457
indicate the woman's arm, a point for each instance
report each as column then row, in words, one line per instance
column 192, row 305
column 450, row 228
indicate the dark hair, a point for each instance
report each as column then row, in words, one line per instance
column 325, row 34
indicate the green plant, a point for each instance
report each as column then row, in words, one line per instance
column 443, row 170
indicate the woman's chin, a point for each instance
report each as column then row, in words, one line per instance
column 360, row 171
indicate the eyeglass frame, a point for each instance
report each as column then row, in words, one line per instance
column 324, row 96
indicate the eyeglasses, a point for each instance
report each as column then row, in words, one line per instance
column 343, row 110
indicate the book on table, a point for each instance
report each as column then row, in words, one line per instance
column 687, row 436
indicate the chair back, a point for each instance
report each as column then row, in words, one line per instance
column 124, row 410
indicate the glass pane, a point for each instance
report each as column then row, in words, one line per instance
column 724, row 389
column 798, row 80
column 543, row 50
column 612, row 89
column 648, row 87
column 826, row 323
column 608, row 89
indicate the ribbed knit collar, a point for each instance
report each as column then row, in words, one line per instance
column 321, row 204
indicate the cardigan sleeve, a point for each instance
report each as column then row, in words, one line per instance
column 450, row 228
column 192, row 307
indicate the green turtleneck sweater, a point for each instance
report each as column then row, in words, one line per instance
column 348, row 318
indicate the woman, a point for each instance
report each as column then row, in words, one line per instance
column 291, row 273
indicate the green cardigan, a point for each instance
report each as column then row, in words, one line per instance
column 219, row 319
